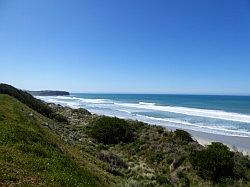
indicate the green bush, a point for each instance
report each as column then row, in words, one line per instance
column 184, row 180
column 109, row 130
column 242, row 165
column 183, row 135
column 213, row 163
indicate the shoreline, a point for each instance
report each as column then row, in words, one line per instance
column 235, row 143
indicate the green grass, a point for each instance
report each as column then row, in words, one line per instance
column 31, row 154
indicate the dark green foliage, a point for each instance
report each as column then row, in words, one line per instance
column 183, row 135
column 214, row 163
column 162, row 179
column 184, row 181
column 31, row 102
column 242, row 165
column 109, row 130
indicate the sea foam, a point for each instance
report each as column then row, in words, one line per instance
column 217, row 114
column 203, row 127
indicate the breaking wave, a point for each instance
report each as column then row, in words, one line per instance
column 217, row 114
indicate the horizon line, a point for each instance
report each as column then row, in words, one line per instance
column 163, row 93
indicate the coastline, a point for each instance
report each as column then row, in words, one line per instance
column 235, row 143
column 116, row 150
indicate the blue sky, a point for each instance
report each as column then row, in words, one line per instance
column 127, row 46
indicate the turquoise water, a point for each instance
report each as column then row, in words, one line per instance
column 227, row 115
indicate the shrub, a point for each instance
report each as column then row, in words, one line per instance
column 183, row 135
column 162, row 179
column 213, row 163
column 242, row 165
column 184, row 180
column 110, row 130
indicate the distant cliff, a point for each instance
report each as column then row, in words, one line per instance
column 48, row 93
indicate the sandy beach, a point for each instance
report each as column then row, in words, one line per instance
column 235, row 143
column 241, row 144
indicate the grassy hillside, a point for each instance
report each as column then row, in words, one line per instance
column 31, row 154
column 31, row 102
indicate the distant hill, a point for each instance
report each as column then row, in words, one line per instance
column 48, row 93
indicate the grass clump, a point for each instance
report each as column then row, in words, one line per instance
column 108, row 130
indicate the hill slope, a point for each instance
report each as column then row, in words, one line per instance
column 31, row 154
column 30, row 101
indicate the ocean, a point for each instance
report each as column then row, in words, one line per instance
column 222, row 115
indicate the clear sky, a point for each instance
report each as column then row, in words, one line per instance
column 144, row 46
